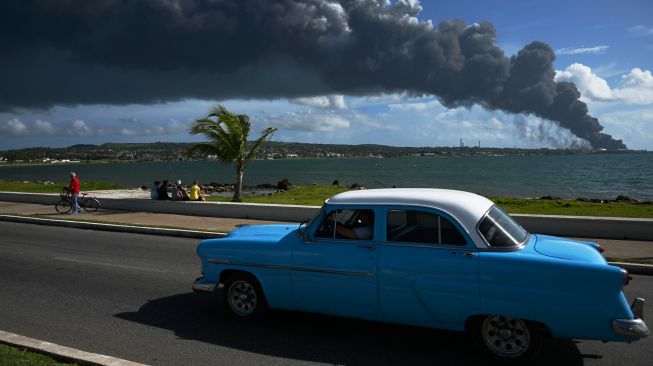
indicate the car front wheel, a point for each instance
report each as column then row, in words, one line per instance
column 507, row 339
column 244, row 296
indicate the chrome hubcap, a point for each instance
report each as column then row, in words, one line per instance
column 242, row 298
column 506, row 337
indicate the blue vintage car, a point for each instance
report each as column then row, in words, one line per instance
column 428, row 257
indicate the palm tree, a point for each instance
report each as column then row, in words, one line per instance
column 227, row 133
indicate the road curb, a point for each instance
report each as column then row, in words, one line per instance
column 193, row 234
column 635, row 268
column 61, row 352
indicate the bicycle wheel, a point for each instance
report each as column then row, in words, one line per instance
column 90, row 204
column 63, row 206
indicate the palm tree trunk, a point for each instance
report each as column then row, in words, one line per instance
column 240, row 171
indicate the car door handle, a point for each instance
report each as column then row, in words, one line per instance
column 371, row 248
column 465, row 254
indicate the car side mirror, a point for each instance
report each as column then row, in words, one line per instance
column 306, row 237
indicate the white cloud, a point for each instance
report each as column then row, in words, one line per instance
column 374, row 123
column 44, row 127
column 79, row 128
column 590, row 85
column 636, row 87
column 581, row 50
column 641, row 30
column 307, row 121
column 431, row 105
column 172, row 127
column 14, row 127
column 635, row 127
column 128, row 132
column 330, row 101
column 609, row 70
column 338, row 101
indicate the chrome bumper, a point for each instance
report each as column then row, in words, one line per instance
column 201, row 286
column 633, row 328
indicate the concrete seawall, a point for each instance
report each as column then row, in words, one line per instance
column 593, row 227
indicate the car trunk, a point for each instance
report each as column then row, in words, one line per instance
column 562, row 248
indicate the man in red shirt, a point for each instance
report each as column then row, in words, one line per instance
column 74, row 191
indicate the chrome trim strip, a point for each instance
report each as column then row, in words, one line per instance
column 318, row 270
column 230, row 263
column 292, row 268
column 464, row 248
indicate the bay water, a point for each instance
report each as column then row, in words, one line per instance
column 603, row 176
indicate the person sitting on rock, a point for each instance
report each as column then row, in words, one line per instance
column 196, row 192
column 154, row 191
column 163, row 191
column 179, row 192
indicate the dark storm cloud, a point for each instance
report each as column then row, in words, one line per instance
column 118, row 52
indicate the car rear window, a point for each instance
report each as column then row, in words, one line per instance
column 500, row 230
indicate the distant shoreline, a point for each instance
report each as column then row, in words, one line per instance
column 559, row 152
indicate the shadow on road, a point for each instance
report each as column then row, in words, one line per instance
column 327, row 339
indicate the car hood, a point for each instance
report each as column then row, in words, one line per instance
column 272, row 231
column 562, row 248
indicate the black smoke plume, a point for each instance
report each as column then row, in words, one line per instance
column 118, row 52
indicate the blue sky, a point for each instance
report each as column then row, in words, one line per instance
column 604, row 47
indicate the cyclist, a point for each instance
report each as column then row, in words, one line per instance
column 73, row 187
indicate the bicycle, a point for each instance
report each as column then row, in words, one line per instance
column 65, row 204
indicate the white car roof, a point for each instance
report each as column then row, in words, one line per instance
column 468, row 208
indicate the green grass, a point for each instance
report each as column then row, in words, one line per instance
column 34, row 187
column 574, row 208
column 316, row 194
column 313, row 195
column 11, row 356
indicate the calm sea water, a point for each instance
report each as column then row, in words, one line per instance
column 566, row 176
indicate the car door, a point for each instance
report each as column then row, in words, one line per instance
column 335, row 274
column 428, row 268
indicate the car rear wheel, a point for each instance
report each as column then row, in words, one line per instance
column 507, row 339
column 244, row 296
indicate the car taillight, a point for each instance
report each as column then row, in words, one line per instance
column 627, row 277
column 599, row 248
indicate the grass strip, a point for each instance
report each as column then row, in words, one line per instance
column 315, row 196
column 574, row 208
column 13, row 356
column 36, row 187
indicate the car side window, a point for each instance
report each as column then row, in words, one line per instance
column 412, row 226
column 347, row 224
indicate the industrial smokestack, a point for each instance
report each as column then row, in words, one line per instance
column 119, row 52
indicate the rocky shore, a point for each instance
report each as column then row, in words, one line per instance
column 226, row 189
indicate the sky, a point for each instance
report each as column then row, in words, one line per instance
column 503, row 73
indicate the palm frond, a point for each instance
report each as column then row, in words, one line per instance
column 267, row 133
column 227, row 133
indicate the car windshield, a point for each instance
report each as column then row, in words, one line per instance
column 501, row 230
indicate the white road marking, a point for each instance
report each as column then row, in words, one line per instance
column 82, row 261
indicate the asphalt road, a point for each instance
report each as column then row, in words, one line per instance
column 128, row 296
